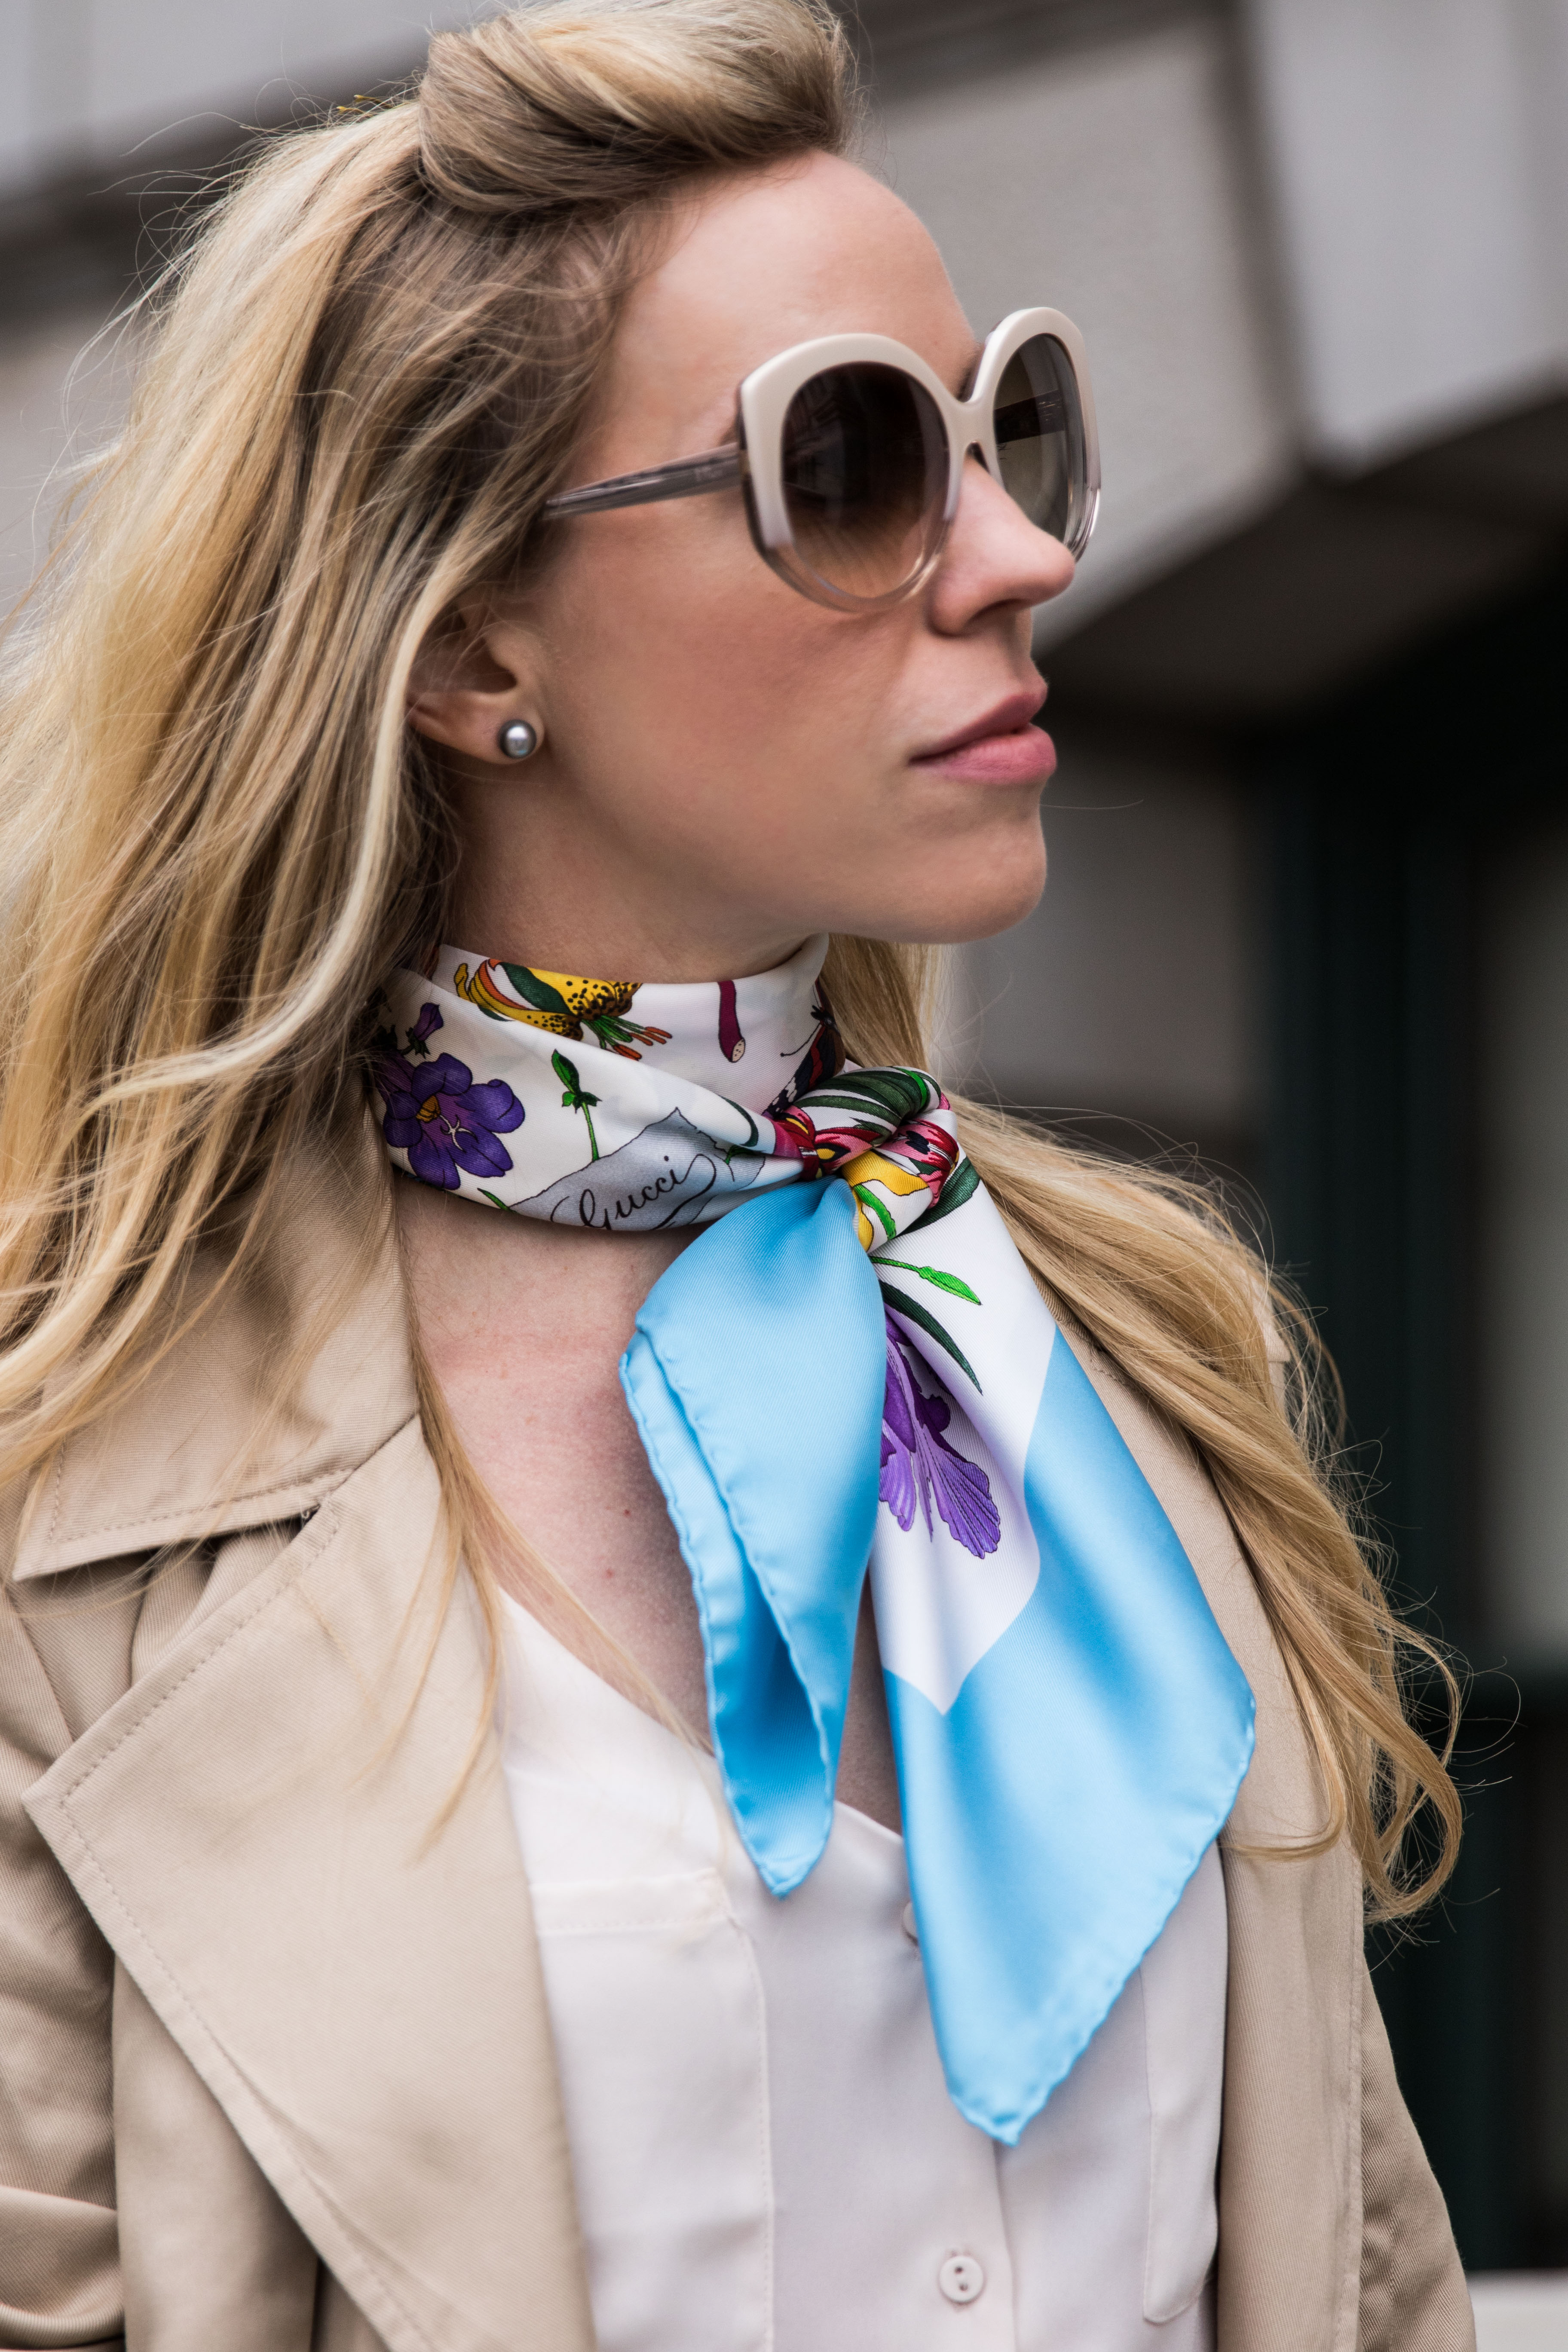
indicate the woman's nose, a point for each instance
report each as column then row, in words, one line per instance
column 994, row 557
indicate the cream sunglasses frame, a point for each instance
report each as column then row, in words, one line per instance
column 755, row 459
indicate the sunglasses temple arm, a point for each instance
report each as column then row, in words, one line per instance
column 684, row 478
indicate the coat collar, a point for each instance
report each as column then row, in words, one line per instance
column 257, row 1825
column 291, row 1378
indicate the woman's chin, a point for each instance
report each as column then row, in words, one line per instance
column 946, row 921
column 1004, row 893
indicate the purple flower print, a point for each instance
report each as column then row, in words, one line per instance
column 437, row 1115
column 919, row 1465
column 429, row 1018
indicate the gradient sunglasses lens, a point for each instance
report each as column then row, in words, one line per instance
column 864, row 470
column 1040, row 444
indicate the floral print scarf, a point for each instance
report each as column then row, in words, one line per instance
column 852, row 1371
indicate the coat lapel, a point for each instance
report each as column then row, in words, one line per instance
column 297, row 1372
column 1289, row 2235
column 255, row 1828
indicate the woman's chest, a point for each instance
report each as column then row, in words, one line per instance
column 551, row 1437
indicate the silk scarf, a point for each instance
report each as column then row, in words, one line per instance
column 851, row 1367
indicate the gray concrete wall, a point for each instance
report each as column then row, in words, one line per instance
column 1136, row 990
column 87, row 82
column 1418, row 160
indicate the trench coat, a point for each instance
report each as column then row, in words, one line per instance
column 276, row 2071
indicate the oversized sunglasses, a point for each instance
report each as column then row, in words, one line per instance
column 850, row 453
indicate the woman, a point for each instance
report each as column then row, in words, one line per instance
column 486, row 1865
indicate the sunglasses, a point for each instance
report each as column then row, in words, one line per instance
column 850, row 454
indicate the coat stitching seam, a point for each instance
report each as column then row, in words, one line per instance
column 59, row 1482
column 330, row 1529
column 315, row 1539
column 230, row 1502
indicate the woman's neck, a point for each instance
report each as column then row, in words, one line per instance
column 611, row 932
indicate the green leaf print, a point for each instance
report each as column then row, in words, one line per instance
column 536, row 992
column 961, row 1186
column 870, row 1202
column 573, row 1097
column 895, row 1095
column 948, row 1282
column 901, row 1303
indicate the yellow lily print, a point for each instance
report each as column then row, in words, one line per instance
column 561, row 1003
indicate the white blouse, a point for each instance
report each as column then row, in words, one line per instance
column 765, row 2154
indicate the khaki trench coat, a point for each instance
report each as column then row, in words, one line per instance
column 276, row 2071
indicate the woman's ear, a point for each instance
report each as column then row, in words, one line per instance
column 470, row 679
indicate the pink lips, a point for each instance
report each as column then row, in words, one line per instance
column 1002, row 748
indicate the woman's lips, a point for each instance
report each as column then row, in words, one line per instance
column 1002, row 748
column 1022, row 756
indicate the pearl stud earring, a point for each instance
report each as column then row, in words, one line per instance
column 517, row 740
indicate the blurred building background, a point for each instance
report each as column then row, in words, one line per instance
column 1308, row 919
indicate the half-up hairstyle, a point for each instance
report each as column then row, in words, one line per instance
column 363, row 379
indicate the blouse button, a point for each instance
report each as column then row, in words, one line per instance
column 908, row 1924
column 961, row 2278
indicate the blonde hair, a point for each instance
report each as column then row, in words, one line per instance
column 368, row 373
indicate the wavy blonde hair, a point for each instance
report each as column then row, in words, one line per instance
column 364, row 376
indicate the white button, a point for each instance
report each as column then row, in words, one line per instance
column 961, row 2278
column 908, row 1924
